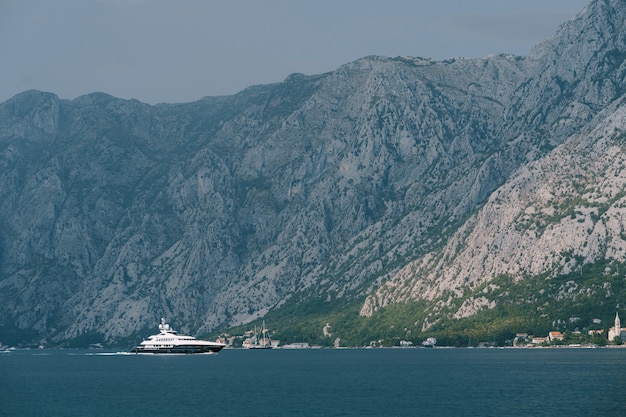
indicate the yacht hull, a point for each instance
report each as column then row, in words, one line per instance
column 177, row 349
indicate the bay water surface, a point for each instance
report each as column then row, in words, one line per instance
column 316, row 382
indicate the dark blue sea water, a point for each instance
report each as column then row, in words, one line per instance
column 353, row 382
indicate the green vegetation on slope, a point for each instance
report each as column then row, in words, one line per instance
column 535, row 305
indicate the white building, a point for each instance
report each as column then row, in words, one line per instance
column 617, row 330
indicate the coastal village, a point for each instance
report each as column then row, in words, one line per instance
column 615, row 336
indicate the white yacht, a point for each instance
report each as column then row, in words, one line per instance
column 168, row 341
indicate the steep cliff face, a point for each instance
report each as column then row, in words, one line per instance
column 558, row 213
column 553, row 217
column 215, row 212
column 573, row 75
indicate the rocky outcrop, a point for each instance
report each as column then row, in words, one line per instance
column 215, row 212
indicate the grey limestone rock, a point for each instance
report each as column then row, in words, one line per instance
column 212, row 213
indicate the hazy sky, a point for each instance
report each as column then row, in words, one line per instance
column 182, row 50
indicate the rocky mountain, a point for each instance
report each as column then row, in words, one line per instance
column 552, row 218
column 396, row 179
column 558, row 212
